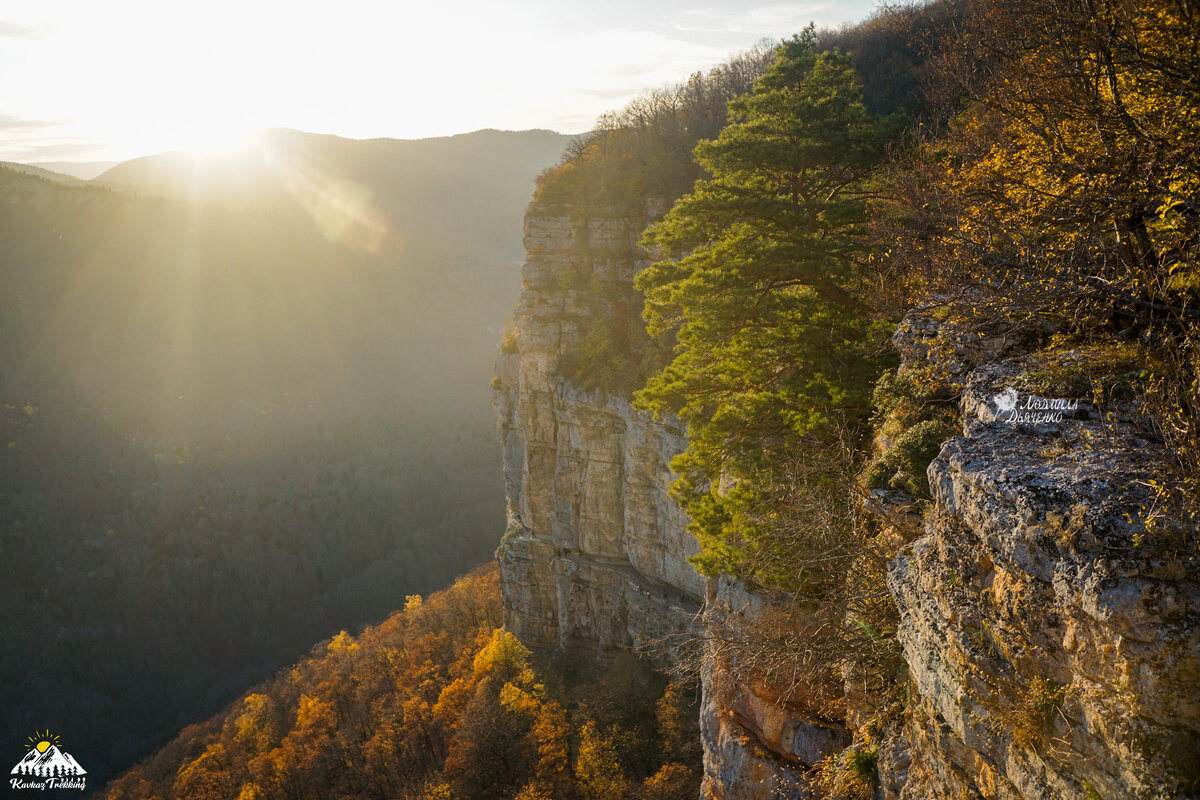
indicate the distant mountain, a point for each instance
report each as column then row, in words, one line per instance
column 84, row 170
column 458, row 179
column 40, row 172
column 236, row 420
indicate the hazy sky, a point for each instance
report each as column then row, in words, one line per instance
column 89, row 79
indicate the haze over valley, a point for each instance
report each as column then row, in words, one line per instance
column 243, row 404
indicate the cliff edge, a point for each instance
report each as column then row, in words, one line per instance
column 594, row 558
column 1044, row 635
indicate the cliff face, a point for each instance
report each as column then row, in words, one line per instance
column 1053, row 644
column 760, row 739
column 595, row 554
column 1052, row 650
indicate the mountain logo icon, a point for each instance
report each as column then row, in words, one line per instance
column 46, row 759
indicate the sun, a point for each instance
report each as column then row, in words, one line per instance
column 42, row 741
column 218, row 140
column 201, row 139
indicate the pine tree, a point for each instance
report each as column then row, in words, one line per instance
column 761, row 281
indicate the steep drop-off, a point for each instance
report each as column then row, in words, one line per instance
column 1053, row 644
column 595, row 554
column 230, row 428
column 595, row 557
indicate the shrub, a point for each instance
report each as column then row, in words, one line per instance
column 1062, row 370
column 851, row 775
column 905, row 465
column 508, row 342
column 1036, row 706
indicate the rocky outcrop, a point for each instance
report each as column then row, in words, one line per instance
column 760, row 741
column 595, row 557
column 1048, row 637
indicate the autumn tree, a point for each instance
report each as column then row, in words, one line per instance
column 1067, row 189
column 1064, row 196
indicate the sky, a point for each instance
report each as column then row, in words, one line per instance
column 85, row 80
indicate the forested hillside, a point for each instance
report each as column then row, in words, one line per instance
column 232, row 425
column 436, row 702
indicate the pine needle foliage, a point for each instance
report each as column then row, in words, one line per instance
column 761, row 279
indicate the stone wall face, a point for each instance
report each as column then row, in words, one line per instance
column 1054, row 650
column 757, row 743
column 595, row 557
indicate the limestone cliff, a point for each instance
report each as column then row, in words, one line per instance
column 595, row 554
column 1051, row 649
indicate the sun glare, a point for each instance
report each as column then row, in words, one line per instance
column 214, row 141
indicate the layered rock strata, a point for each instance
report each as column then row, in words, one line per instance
column 1053, row 644
column 760, row 741
column 595, row 557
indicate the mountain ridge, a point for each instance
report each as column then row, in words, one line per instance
column 235, row 430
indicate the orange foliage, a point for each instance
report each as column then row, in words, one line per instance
column 436, row 702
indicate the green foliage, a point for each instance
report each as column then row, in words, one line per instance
column 1064, row 370
column 862, row 763
column 901, row 399
column 614, row 353
column 852, row 775
column 1039, row 700
column 504, row 549
column 640, row 159
column 915, row 412
column 437, row 702
column 634, row 165
column 761, row 282
column 905, row 464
